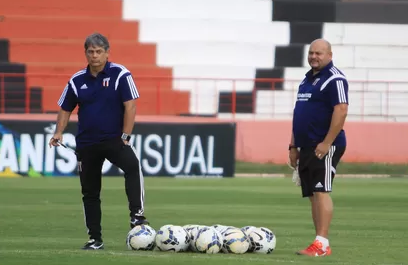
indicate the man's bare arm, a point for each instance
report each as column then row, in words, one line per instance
column 62, row 121
column 338, row 119
column 129, row 116
column 292, row 140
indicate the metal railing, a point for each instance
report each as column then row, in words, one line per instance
column 231, row 98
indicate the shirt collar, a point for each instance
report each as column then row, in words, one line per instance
column 325, row 69
column 105, row 70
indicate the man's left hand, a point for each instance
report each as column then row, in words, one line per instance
column 322, row 149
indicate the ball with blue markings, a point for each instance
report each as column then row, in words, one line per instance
column 193, row 232
column 141, row 237
column 208, row 240
column 172, row 238
column 263, row 240
column 235, row 241
column 248, row 229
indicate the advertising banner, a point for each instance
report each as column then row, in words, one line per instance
column 164, row 149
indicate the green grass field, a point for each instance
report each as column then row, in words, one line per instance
column 41, row 220
column 396, row 170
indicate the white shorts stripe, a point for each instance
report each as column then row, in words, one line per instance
column 329, row 169
column 142, row 192
column 87, row 228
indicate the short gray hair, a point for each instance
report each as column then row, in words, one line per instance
column 97, row 40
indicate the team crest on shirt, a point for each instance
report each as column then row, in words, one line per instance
column 105, row 82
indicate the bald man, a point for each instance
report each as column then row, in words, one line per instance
column 318, row 140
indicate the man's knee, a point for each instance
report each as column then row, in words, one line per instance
column 90, row 194
column 131, row 162
column 132, row 167
column 321, row 195
column 90, row 189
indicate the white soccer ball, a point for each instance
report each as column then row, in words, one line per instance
column 222, row 228
column 263, row 240
column 141, row 237
column 235, row 241
column 172, row 238
column 248, row 229
column 193, row 231
column 189, row 226
column 165, row 226
column 208, row 240
column 218, row 226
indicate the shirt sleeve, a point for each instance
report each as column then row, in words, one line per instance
column 338, row 92
column 68, row 99
column 127, row 88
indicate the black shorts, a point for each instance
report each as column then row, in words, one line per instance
column 316, row 175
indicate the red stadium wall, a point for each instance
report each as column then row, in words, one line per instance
column 267, row 141
column 376, row 142
column 48, row 35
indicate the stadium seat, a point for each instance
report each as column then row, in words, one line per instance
column 58, row 9
column 351, row 34
column 365, row 51
column 227, row 39
column 214, row 30
column 204, row 53
column 14, row 87
column 360, row 56
column 245, row 10
column 47, row 36
column 228, row 54
column 276, row 104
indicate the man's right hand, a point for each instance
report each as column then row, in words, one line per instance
column 293, row 157
column 55, row 139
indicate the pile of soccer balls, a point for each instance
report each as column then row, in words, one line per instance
column 202, row 239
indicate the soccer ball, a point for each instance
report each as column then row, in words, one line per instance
column 235, row 241
column 141, row 237
column 193, row 231
column 208, row 240
column 172, row 238
column 189, row 226
column 222, row 228
column 248, row 229
column 262, row 240
column 165, row 226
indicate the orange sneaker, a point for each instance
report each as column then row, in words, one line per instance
column 315, row 250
